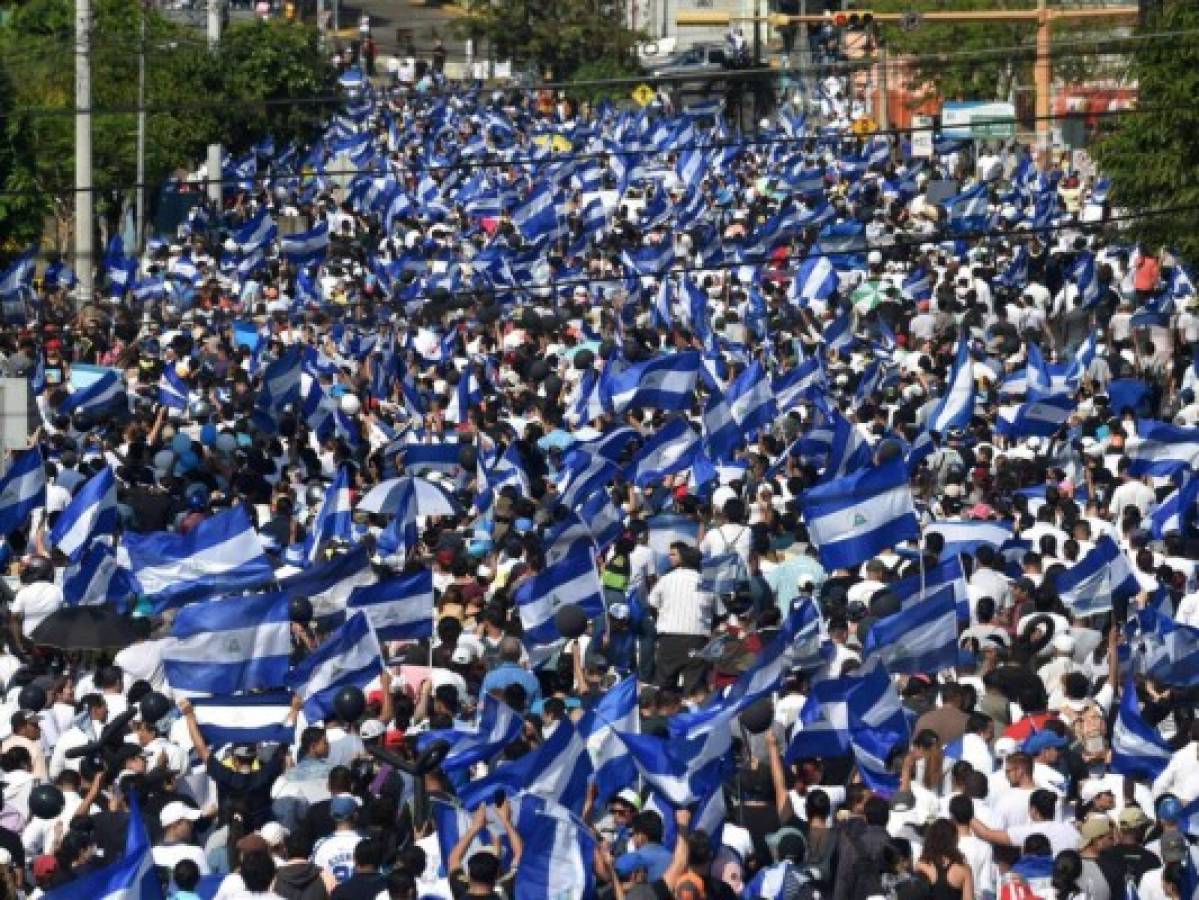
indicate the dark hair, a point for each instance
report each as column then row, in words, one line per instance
column 817, row 805
column 961, row 808
column 1067, row 866
column 941, row 843
column 1037, row 845
column 1044, row 802
column 368, row 853
column 186, row 875
column 298, row 844
column 648, row 823
column 876, row 811
column 257, row 871
column 401, row 886
column 483, row 867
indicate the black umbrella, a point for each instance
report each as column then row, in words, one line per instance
column 85, row 628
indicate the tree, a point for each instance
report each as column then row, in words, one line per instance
column 555, row 38
column 1152, row 157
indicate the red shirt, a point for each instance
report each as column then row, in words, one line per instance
column 1025, row 728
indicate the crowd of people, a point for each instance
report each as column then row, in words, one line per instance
column 570, row 415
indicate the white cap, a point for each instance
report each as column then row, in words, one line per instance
column 1005, row 747
column 274, row 833
column 373, row 728
column 1092, row 788
column 874, row 257
column 175, row 812
column 1063, row 643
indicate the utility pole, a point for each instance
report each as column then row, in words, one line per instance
column 84, row 198
column 884, row 110
column 215, row 187
column 140, row 214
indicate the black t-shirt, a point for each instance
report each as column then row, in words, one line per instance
column 11, row 841
column 360, row 886
column 1132, row 859
column 460, row 887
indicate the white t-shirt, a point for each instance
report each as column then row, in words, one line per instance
column 167, row 855
column 335, row 854
column 1061, row 835
column 35, row 602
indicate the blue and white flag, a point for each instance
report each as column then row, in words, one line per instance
column 1137, row 748
column 305, row 248
column 498, row 726
column 90, row 516
column 782, row 881
column 675, row 778
column 467, row 393
column 670, row 449
column 349, row 656
column 22, row 489
column 665, row 382
column 1043, row 417
column 556, row 770
column 796, row 385
column 616, row 712
column 220, row 555
column 399, row 609
column 1162, row 449
column 259, row 718
column 334, row 519
column 133, row 877
column 539, row 219
column 1177, row 511
column 19, row 274
column 1166, row 650
column 969, row 210
column 328, row 585
column 838, row 334
column 259, row 231
column 921, row 637
column 97, row 578
column 854, row 518
column 229, row 646
column 97, row 397
column 921, row 586
column 173, row 392
column 816, row 279
column 558, row 860
column 573, row 580
column 957, row 405
column 967, row 535
column 1103, row 575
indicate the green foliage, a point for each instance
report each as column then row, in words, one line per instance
column 555, row 38
column 193, row 96
column 603, row 70
column 1153, row 157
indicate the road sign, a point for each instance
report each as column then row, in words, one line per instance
column 978, row 119
column 644, row 94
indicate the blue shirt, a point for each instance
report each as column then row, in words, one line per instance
column 510, row 673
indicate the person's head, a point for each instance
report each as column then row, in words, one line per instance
column 1067, row 867
column 26, row 724
column 623, row 807
column 1096, row 835
column 95, row 706
column 941, row 843
column 483, row 869
column 876, row 811
column 961, row 810
column 1041, row 805
column 343, row 810
column 177, row 819
column 368, row 855
column 314, row 743
column 257, row 871
column 646, row 829
column 817, row 805
column 1018, row 768
column 401, row 886
column 341, row 780
column 186, row 875
column 510, row 650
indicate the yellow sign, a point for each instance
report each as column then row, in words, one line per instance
column 864, row 125
column 644, row 94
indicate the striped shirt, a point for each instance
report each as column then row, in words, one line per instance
column 682, row 607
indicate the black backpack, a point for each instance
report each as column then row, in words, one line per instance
column 866, row 876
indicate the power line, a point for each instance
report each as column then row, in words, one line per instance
column 497, row 163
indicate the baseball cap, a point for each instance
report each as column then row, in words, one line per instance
column 1005, row 747
column 1133, row 817
column 1094, row 828
column 177, row 812
column 1170, row 810
column 371, row 729
column 1043, row 740
column 44, row 866
column 630, row 798
column 1092, row 788
column 273, row 833
column 342, row 807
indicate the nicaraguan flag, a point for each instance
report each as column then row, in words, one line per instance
column 670, row 449
column 349, row 656
column 616, row 712
column 90, row 516
column 1162, row 449
column 665, row 382
column 97, row 397
column 334, row 519
column 256, row 233
column 1177, row 512
column 306, row 248
column 675, row 778
column 22, row 489
column 498, row 725
column 838, row 334
column 19, row 274
column 795, row 385
column 1137, row 749
column 854, row 518
column 229, row 646
column 328, row 584
column 573, row 580
column 220, row 555
column 815, row 280
column 97, row 578
column 399, row 609
column 1043, row 417
column 1103, row 575
column 559, row 852
column 967, row 535
column 957, row 405
column 132, row 877
column 556, row 770
column 173, row 392
column 921, row 637
column 259, row 718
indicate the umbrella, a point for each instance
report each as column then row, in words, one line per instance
column 85, row 628
column 385, row 497
column 868, row 296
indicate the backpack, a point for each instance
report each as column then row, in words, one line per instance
column 723, row 573
column 866, row 876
